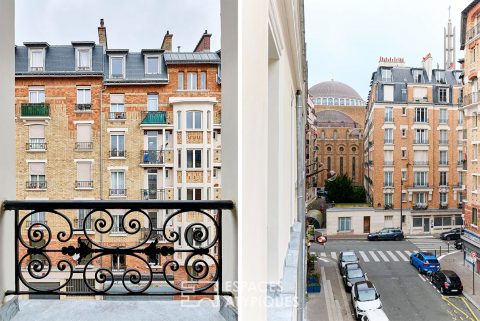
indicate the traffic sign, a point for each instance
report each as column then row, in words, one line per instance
column 322, row 239
column 473, row 254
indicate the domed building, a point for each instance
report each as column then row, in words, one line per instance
column 340, row 112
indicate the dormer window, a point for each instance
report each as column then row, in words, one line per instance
column 117, row 67
column 83, row 58
column 440, row 77
column 37, row 59
column 418, row 76
column 152, row 65
column 386, row 74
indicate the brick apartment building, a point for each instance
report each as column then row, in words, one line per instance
column 340, row 115
column 95, row 122
column 413, row 146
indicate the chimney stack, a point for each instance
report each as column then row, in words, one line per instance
column 167, row 41
column 427, row 65
column 204, row 43
column 102, row 35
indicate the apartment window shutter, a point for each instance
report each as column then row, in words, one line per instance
column 36, row 131
column 36, row 168
column 84, row 133
column 117, row 98
column 84, row 171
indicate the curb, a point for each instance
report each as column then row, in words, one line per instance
column 471, row 300
column 419, row 237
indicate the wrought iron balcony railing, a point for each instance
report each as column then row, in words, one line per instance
column 443, row 163
column 83, row 184
column 420, row 185
column 118, row 153
column 388, row 141
column 423, row 141
column 152, row 194
column 473, row 32
column 118, row 115
column 420, row 206
column 443, row 141
column 57, row 254
column 152, row 157
column 420, row 163
column 36, row 185
column 388, row 163
column 83, row 145
column 83, row 107
column 35, row 110
column 117, row 192
column 36, row 144
column 471, row 98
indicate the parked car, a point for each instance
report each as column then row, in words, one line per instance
column 375, row 315
column 386, row 234
column 425, row 262
column 353, row 276
column 352, row 266
column 447, row 282
column 345, row 258
column 458, row 244
column 453, row 234
column 364, row 298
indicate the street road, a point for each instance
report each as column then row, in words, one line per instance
column 405, row 294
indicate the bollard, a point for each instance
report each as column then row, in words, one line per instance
column 448, row 247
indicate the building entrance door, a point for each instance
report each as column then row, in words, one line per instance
column 426, row 224
column 366, row 224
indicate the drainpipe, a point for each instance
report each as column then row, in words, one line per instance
column 101, row 130
column 301, row 205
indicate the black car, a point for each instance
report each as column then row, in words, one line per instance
column 453, row 234
column 353, row 276
column 386, row 234
column 447, row 282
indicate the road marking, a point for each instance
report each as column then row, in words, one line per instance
column 324, row 260
column 384, row 257
column 326, row 293
column 364, row 256
column 323, row 254
column 469, row 309
column 408, row 253
column 375, row 258
column 394, row 258
column 334, row 255
column 421, row 277
column 403, row 257
column 454, row 306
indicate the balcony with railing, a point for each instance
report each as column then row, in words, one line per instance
column 83, row 184
column 471, row 98
column 83, row 146
column 36, row 185
column 443, row 162
column 420, row 185
column 36, row 145
column 420, row 141
column 35, row 110
column 388, row 141
column 420, row 163
column 152, row 194
column 419, row 100
column 420, row 206
column 155, row 118
column 117, row 192
column 83, row 108
column 152, row 157
column 118, row 115
column 473, row 32
column 388, row 119
column 443, row 141
column 118, row 153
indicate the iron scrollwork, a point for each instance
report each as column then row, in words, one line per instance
column 147, row 259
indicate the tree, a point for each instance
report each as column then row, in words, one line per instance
column 341, row 190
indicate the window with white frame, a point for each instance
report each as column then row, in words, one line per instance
column 152, row 102
column 118, row 262
column 36, row 95
column 389, row 114
column 194, row 120
column 388, row 199
column 443, row 95
column 117, row 183
column 388, row 136
column 84, row 175
column 420, row 198
column 192, row 81
column 417, row 76
column 404, row 132
column 344, row 224
column 443, row 198
column 38, row 217
column 420, row 179
column 209, row 119
column 83, row 58
column 388, row 92
column 36, row 174
column 421, row 136
column 404, row 197
column 152, row 65
column 84, row 97
column 443, row 179
column 36, row 137
column 474, row 152
column 420, row 94
column 37, row 59
column 84, row 137
column 420, row 157
column 404, row 153
column 388, row 179
column 443, row 136
column 388, row 157
column 194, row 194
column 440, row 77
column 443, row 157
column 460, row 178
column 386, row 74
column 194, row 158
column 117, row 144
column 421, row 115
column 203, row 80
column 83, row 218
column 180, row 85
column 475, row 183
column 404, row 111
column 117, row 67
column 117, row 106
column 404, row 174
column 443, row 116
column 460, row 117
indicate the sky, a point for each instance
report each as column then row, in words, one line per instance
column 345, row 38
column 131, row 24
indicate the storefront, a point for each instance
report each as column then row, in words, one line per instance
column 471, row 247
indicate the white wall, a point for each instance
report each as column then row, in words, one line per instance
column 7, row 143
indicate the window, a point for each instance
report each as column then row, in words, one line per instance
column 329, row 163
column 421, row 115
column 389, row 114
column 179, row 120
column 388, row 179
column 474, row 152
column 443, row 116
column 417, row 221
column 458, row 220
column 116, row 67
column 117, row 183
column 420, row 198
column 440, row 77
column 443, row 95
column 118, row 262
column 475, row 120
column 152, row 102
column 180, row 81
column 404, row 132
column 404, row 153
column 443, row 157
column 388, row 92
column 192, row 81
column 83, row 219
column 117, row 106
column 443, row 137
column 208, row 158
column 179, row 193
column 117, row 226
column 420, row 157
column 388, row 157
column 36, row 95
column 153, row 65
column 420, row 179
column 84, row 175
column 36, row 173
column 194, row 158
column 388, row 199
column 179, row 157
column 460, row 178
column 194, row 194
column 84, row 137
column 336, row 101
column 442, row 221
column 404, row 197
column 421, row 136
column 194, row 120
column 353, row 168
column 404, row 111
column 334, row 134
column 330, row 101
column 209, row 119
column 84, row 57
column 443, row 198
column 84, row 97
column 404, row 174
column 341, row 166
column 344, row 224
column 418, row 76
column 388, row 136
column 443, row 179
column 203, row 80
column 386, row 74
column 37, row 62
column 474, row 216
column 460, row 117
column 420, row 94
column 36, row 137
column 475, row 183
column 117, row 144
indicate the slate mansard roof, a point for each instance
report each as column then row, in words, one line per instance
column 60, row 61
column 405, row 75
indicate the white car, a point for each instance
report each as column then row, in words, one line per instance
column 375, row 315
column 364, row 298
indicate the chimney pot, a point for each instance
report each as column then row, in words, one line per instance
column 167, row 41
column 101, row 22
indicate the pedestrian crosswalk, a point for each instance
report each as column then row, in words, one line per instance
column 430, row 244
column 392, row 256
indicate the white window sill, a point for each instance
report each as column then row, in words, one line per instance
column 36, row 189
column 192, row 90
column 81, row 232
column 121, row 234
column 117, row 158
column 118, row 196
column 117, row 119
column 83, row 188
column 473, row 225
column 36, row 150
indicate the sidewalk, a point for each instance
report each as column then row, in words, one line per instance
column 454, row 262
